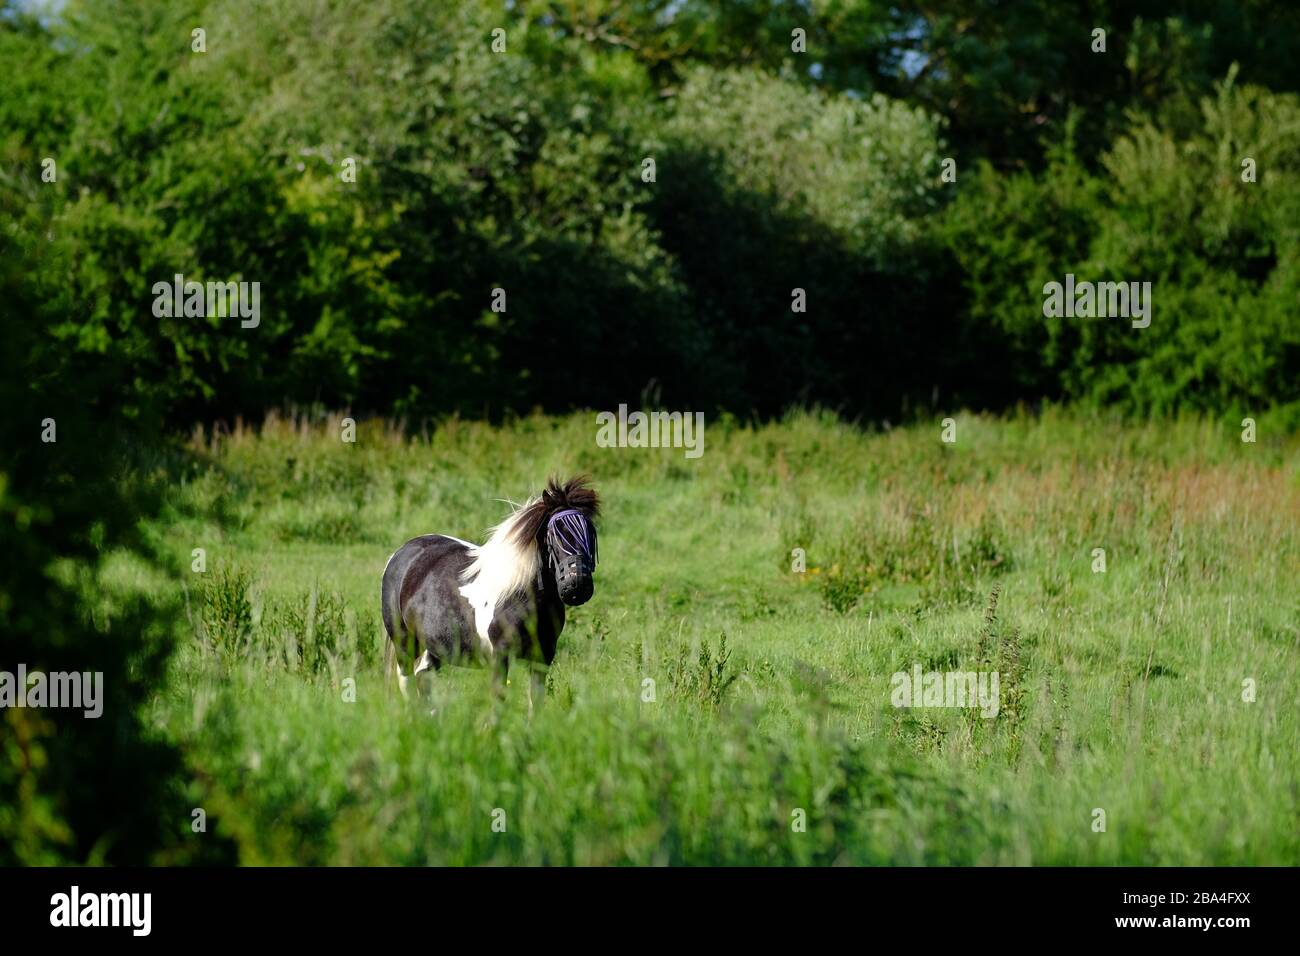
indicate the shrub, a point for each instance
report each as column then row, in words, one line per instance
column 227, row 609
column 1168, row 207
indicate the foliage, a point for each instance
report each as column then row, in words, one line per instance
column 1168, row 207
column 75, row 477
column 522, row 171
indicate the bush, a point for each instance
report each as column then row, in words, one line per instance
column 75, row 790
column 1168, row 207
column 317, row 632
column 227, row 610
column 765, row 187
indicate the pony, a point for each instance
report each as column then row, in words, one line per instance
column 445, row 600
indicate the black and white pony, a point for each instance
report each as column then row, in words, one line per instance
column 448, row 601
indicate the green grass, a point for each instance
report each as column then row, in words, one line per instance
column 1120, row 691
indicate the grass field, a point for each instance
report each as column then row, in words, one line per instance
column 771, row 737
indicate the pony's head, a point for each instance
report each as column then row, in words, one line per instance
column 566, row 537
column 554, row 533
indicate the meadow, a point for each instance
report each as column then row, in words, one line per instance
column 725, row 698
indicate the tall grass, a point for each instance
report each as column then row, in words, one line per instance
column 710, row 704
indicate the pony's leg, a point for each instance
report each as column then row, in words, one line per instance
column 401, row 651
column 423, row 676
column 536, row 687
column 402, row 678
column 500, row 673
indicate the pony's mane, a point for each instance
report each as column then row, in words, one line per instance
column 509, row 560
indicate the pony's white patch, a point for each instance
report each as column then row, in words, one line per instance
column 499, row 569
column 402, row 679
column 424, row 663
column 419, row 675
column 483, row 614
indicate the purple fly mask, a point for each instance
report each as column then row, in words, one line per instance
column 571, row 547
